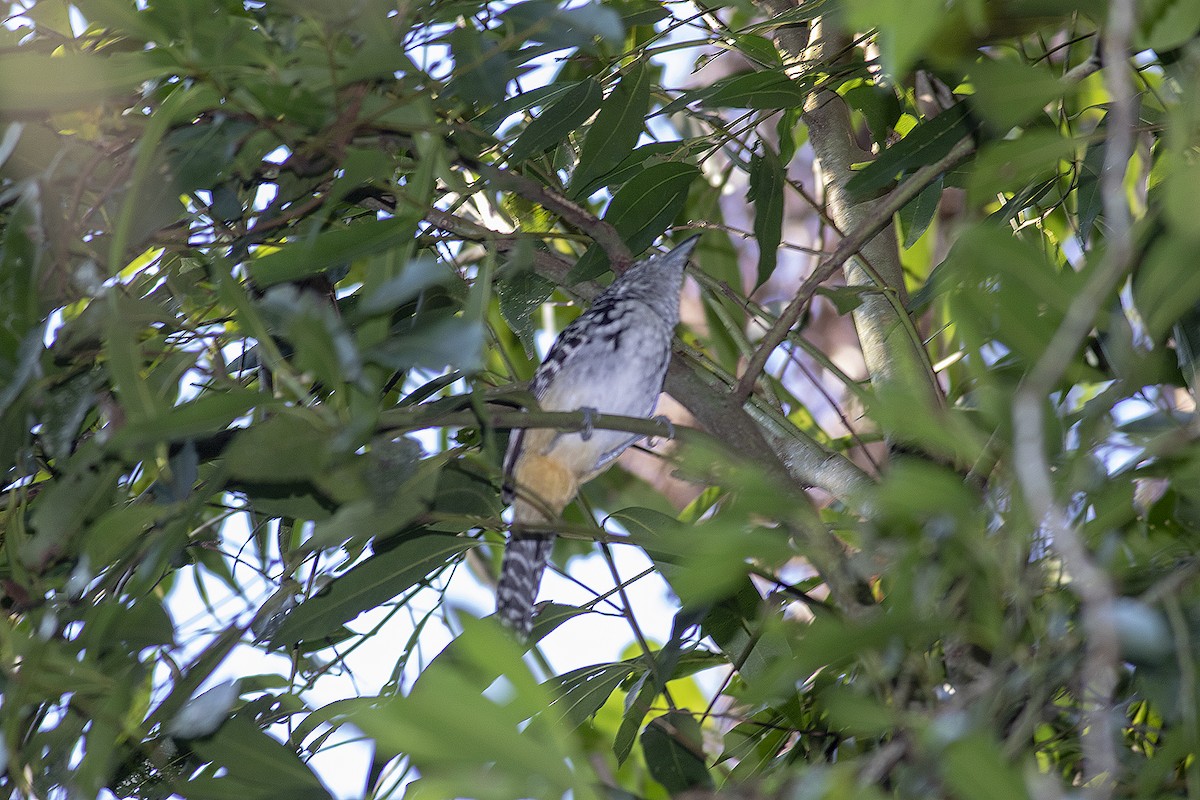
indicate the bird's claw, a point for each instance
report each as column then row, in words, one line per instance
column 589, row 420
column 662, row 419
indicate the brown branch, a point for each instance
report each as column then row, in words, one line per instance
column 575, row 215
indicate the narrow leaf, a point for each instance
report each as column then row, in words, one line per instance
column 334, row 247
column 366, row 585
column 925, row 144
column 674, row 749
column 616, row 129
column 254, row 760
column 919, row 212
column 643, row 207
column 767, row 181
column 583, row 691
column 767, row 89
column 552, row 126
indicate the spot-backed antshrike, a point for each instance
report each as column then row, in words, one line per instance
column 612, row 359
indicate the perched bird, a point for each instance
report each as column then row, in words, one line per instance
column 612, row 359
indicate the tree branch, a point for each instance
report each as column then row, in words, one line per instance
column 1090, row 583
column 575, row 215
column 846, row 249
column 891, row 354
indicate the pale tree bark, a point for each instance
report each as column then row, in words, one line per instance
column 892, row 349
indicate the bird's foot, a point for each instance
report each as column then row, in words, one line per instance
column 662, row 419
column 589, row 421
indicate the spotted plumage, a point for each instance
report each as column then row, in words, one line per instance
column 612, row 359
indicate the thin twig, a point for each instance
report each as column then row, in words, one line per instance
column 846, row 249
column 575, row 215
column 1090, row 583
column 627, row 612
column 568, row 421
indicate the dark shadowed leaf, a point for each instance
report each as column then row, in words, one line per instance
column 560, row 27
column 256, row 766
column 521, row 293
column 366, row 585
column 767, row 181
column 581, row 692
column 640, row 210
column 616, row 128
column 923, row 145
column 919, row 212
column 549, row 128
column 674, row 748
column 767, row 89
column 330, row 248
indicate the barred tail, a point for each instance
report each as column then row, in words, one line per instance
column 520, row 575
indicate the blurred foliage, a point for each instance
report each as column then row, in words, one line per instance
column 248, row 249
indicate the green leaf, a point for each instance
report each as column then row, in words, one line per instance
column 329, row 248
column 646, row 156
column 474, row 742
column 879, row 105
column 758, row 49
column 856, row 714
column 974, row 767
column 482, row 69
column 919, row 212
column 209, row 413
column 1009, row 93
column 674, row 748
column 768, row 89
column 118, row 529
column 574, row 26
column 767, row 182
column 1003, row 288
column 639, row 12
column 1013, row 164
column 323, row 345
column 19, row 258
column 907, row 28
column 640, row 210
column 521, row 293
column 256, row 765
column 291, row 446
column 67, row 504
column 417, row 276
column 925, row 144
column 364, row 586
column 465, row 492
column 384, row 511
column 1088, row 201
column 616, row 129
column 638, row 702
column 37, row 83
column 434, row 343
column 844, row 298
column 1180, row 191
column 549, row 128
column 1167, row 285
column 581, row 692
column 1165, row 26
